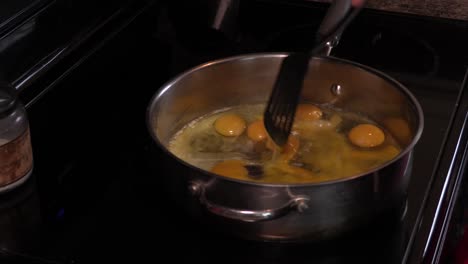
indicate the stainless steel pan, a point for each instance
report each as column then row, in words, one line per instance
column 285, row 212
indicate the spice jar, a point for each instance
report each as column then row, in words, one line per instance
column 16, row 157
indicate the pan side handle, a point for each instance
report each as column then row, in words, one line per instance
column 298, row 203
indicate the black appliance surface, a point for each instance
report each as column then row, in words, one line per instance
column 95, row 196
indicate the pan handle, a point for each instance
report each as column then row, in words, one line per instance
column 297, row 203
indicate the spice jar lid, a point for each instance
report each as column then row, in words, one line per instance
column 7, row 98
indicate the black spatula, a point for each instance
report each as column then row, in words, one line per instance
column 281, row 107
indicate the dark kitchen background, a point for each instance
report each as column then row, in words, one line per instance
column 86, row 71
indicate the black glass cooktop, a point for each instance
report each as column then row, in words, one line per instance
column 95, row 194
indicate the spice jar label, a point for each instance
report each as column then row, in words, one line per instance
column 16, row 159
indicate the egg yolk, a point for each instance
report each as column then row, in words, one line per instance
column 289, row 149
column 230, row 125
column 366, row 135
column 308, row 112
column 231, row 168
column 399, row 129
column 256, row 131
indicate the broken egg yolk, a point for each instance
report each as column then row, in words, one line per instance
column 231, row 168
column 290, row 149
